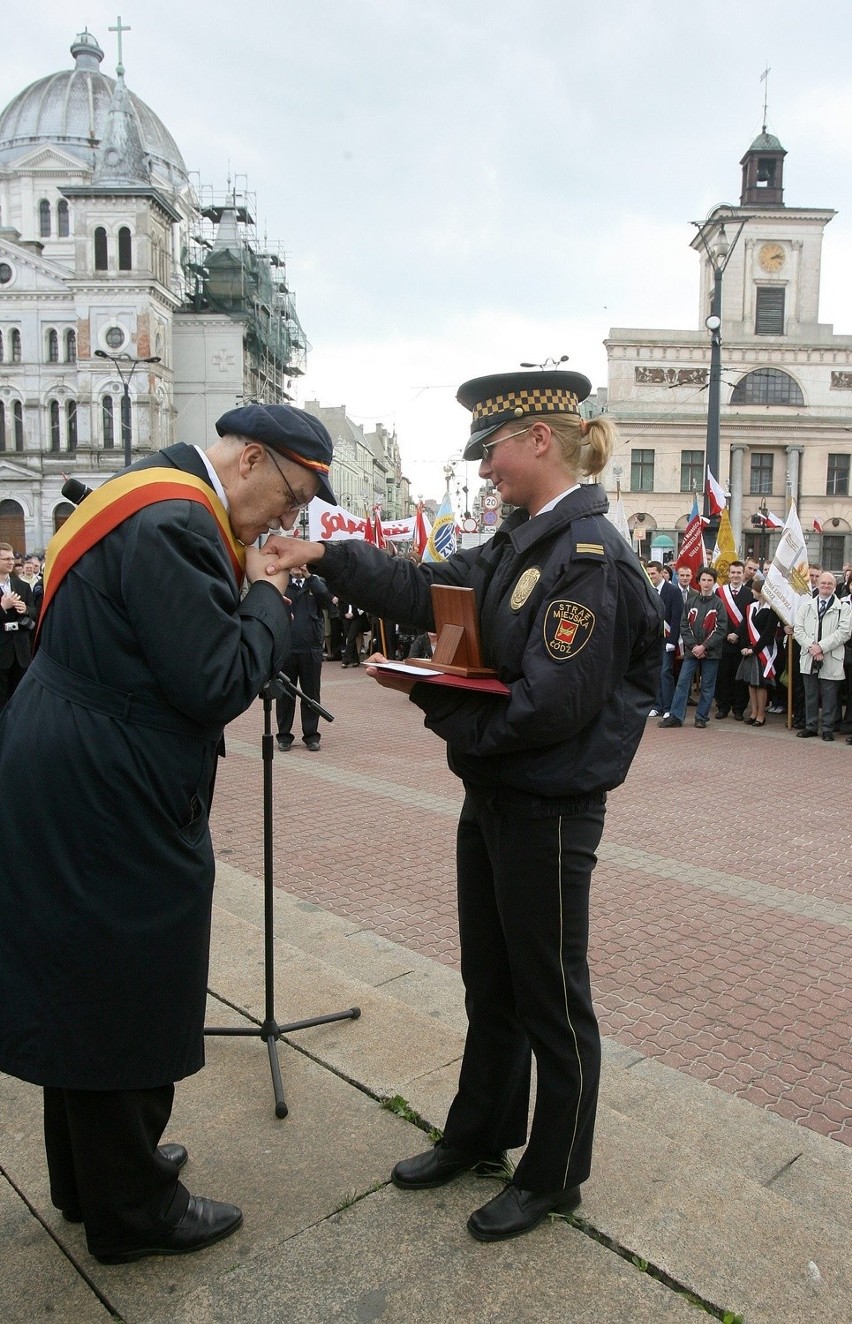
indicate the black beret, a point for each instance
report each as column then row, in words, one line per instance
column 292, row 432
column 504, row 396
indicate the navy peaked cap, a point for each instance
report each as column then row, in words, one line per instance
column 508, row 396
column 292, row 432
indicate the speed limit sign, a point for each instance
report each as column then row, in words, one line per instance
column 490, row 501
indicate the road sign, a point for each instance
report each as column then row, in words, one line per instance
column 489, row 517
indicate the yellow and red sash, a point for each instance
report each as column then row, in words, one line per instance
column 103, row 510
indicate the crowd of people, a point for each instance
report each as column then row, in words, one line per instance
column 725, row 642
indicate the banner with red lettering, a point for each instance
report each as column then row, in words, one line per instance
column 331, row 523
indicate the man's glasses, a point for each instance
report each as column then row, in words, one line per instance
column 489, row 445
column 295, row 503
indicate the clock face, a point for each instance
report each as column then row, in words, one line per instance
column 771, row 257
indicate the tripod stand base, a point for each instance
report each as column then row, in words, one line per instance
column 270, row 1031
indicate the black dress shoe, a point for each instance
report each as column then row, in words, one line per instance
column 284, row 743
column 175, row 1153
column 738, row 717
column 204, row 1223
column 514, row 1211
column 670, row 721
column 806, row 734
column 441, row 1164
column 700, row 723
column 828, row 735
column 721, row 714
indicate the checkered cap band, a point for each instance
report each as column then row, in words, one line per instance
column 539, row 400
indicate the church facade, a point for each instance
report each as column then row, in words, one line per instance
column 135, row 307
column 785, row 384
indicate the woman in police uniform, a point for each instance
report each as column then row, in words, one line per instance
column 571, row 624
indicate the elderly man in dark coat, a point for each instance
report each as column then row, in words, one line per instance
column 146, row 651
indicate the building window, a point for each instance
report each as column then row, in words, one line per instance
column 767, row 386
column 692, row 471
column 70, row 346
column 63, row 219
column 2, row 426
column 124, row 253
column 71, row 422
column 6, row 273
column 837, row 483
column 761, row 475
column 642, row 471
column 769, row 311
column 832, row 551
column 1, row 346
column 108, row 421
column 16, row 346
column 18, row 422
column 100, row 249
column 52, row 346
column 115, row 337
column 44, row 218
column 53, row 415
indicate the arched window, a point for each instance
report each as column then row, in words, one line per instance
column 767, row 386
column 2, row 426
column 18, row 422
column 70, row 346
column 63, row 219
column 71, row 422
column 16, row 346
column 52, row 346
column 53, row 415
column 44, row 218
column 124, row 253
column 108, row 421
column 100, row 249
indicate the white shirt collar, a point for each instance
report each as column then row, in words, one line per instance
column 555, row 502
column 214, row 478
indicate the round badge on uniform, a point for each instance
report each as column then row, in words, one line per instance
column 568, row 628
column 524, row 587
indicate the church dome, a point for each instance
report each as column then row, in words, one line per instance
column 69, row 109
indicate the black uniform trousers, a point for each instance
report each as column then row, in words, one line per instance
column 730, row 693
column 523, row 889
column 304, row 670
column 104, row 1164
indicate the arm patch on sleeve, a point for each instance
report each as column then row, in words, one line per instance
column 568, row 627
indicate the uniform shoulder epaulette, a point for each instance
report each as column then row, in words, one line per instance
column 588, row 543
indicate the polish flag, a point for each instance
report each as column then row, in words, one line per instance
column 817, row 526
column 717, row 497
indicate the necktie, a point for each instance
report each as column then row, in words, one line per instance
column 823, row 603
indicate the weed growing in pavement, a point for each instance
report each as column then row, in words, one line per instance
column 401, row 1108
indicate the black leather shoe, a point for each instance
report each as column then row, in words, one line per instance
column 721, row 714
column 175, row 1153
column 73, row 1214
column 670, row 721
column 204, row 1223
column 806, row 734
column 514, row 1212
column 828, row 735
column 738, row 717
column 440, row 1165
column 700, row 723
column 283, row 743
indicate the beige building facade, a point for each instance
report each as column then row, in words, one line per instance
column 785, row 385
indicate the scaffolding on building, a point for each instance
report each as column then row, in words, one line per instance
column 229, row 269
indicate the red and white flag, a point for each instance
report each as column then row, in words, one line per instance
column 817, row 526
column 717, row 497
column 772, row 521
column 421, row 533
column 379, row 536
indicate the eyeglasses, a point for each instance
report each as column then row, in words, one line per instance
column 295, row 503
column 489, row 445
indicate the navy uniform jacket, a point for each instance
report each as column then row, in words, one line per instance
column 146, row 653
column 306, row 604
column 571, row 624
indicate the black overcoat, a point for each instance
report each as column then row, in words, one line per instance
column 105, row 901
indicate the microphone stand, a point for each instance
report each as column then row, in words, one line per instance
column 270, row 1031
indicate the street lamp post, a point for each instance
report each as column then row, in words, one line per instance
column 126, row 431
column 719, row 255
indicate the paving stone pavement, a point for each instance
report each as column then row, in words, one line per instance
column 721, row 937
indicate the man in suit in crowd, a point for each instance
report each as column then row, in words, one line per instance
column 308, row 595
column 823, row 625
column 673, row 607
column 731, row 694
column 17, row 622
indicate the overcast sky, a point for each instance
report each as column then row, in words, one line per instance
column 465, row 184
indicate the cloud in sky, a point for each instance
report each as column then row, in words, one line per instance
column 464, row 184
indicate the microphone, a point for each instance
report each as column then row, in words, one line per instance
column 75, row 491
